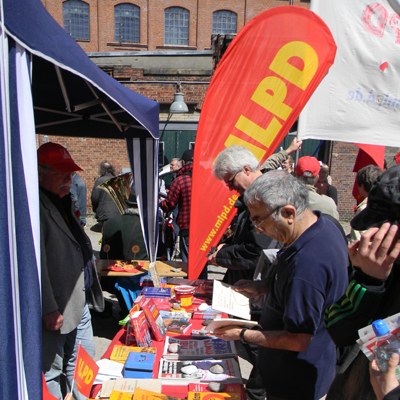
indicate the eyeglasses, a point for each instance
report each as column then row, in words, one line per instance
column 258, row 221
column 229, row 182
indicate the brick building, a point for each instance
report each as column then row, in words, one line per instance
column 150, row 46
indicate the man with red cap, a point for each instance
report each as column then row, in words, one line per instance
column 69, row 279
column 307, row 170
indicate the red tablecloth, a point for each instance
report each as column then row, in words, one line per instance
column 120, row 337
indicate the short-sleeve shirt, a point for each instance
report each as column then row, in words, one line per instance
column 311, row 274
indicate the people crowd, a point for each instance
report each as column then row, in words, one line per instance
column 311, row 287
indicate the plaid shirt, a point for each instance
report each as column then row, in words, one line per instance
column 180, row 194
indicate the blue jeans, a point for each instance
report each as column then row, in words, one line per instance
column 60, row 351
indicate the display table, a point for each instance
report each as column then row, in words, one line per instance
column 164, row 268
column 119, row 339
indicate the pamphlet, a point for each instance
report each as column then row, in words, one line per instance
column 221, row 322
column 227, row 300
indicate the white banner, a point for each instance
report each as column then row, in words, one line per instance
column 359, row 99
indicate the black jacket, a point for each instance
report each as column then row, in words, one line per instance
column 243, row 249
column 393, row 395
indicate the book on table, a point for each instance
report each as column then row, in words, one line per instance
column 176, row 315
column 120, row 352
column 149, row 291
column 154, row 318
column 208, row 313
column 208, row 370
column 139, row 365
column 189, row 348
column 202, row 391
column 177, row 326
column 138, row 325
column 143, row 394
column 128, row 385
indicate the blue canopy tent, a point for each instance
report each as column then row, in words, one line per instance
column 48, row 85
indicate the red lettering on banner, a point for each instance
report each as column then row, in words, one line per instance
column 376, row 18
column 259, row 88
column 295, row 63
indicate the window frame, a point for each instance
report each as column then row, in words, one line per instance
column 77, row 23
column 132, row 21
column 218, row 25
column 176, row 34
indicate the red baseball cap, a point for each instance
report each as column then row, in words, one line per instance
column 56, row 157
column 307, row 164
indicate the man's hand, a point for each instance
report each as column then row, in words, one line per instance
column 294, row 146
column 250, row 289
column 376, row 251
column 383, row 383
column 212, row 258
column 228, row 332
column 53, row 321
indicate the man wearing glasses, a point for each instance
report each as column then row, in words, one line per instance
column 238, row 168
column 297, row 358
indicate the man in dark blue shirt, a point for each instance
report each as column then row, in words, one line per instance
column 297, row 358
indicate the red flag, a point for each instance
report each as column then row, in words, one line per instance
column 263, row 81
column 85, row 371
column 367, row 154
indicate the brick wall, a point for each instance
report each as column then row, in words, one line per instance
column 88, row 153
column 152, row 21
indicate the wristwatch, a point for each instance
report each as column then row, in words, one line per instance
column 241, row 336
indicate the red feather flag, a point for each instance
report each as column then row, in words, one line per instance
column 262, row 82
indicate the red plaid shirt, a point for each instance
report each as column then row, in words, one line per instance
column 180, row 194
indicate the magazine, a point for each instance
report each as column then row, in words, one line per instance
column 195, row 349
column 199, row 370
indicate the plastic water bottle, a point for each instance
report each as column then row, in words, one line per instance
column 386, row 345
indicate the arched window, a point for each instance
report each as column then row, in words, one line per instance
column 224, row 22
column 127, row 23
column 176, row 26
column 76, row 19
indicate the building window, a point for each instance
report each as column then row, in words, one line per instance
column 224, row 22
column 76, row 19
column 127, row 23
column 176, row 26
